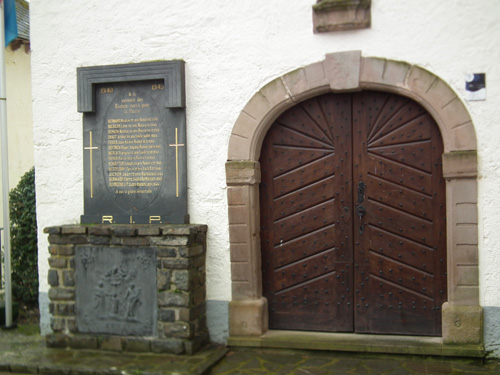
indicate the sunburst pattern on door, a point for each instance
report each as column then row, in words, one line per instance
column 326, row 161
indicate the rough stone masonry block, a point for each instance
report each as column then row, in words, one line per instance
column 169, row 299
column 183, row 279
column 77, row 239
column 53, row 278
column 166, row 252
column 174, row 346
column 61, row 294
column 180, row 330
column 177, row 263
column 163, row 279
column 166, row 315
column 177, row 230
column 138, row 345
column 111, row 343
column 191, row 251
column 52, row 230
column 124, row 231
column 69, row 278
column 57, row 324
column 72, row 326
column 99, row 240
column 148, row 231
column 100, row 230
column 66, row 309
column 171, row 241
column 462, row 324
column 73, row 229
column 82, row 342
column 56, row 341
column 135, row 241
column 55, row 262
column 64, row 250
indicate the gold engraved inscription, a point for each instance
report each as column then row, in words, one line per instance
column 135, row 149
column 107, row 219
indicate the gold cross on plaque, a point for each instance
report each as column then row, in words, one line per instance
column 176, row 145
column 90, row 148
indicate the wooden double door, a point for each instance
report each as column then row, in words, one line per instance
column 352, row 204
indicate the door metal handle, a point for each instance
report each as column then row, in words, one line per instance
column 360, row 211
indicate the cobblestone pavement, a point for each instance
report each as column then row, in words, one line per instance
column 270, row 361
column 23, row 351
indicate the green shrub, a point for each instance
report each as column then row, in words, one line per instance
column 23, row 239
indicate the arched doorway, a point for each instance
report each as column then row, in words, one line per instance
column 353, row 222
column 350, row 72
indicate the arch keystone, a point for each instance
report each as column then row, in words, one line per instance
column 342, row 70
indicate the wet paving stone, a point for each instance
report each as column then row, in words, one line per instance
column 28, row 354
column 256, row 361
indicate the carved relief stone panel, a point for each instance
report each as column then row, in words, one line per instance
column 116, row 290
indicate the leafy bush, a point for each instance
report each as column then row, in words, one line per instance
column 23, row 235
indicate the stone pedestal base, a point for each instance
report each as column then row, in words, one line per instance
column 117, row 309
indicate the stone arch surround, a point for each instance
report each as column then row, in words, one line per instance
column 343, row 72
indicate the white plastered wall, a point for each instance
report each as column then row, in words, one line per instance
column 231, row 50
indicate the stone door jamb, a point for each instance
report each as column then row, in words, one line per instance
column 342, row 72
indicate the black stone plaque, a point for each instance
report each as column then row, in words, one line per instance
column 116, row 290
column 134, row 143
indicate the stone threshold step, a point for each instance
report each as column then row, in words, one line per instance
column 350, row 342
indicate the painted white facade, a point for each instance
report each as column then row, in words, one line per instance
column 231, row 50
column 19, row 115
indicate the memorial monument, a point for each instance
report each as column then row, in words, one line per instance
column 131, row 277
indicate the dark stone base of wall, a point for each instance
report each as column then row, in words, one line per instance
column 180, row 250
column 126, row 343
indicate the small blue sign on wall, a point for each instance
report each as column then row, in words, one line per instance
column 475, row 86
